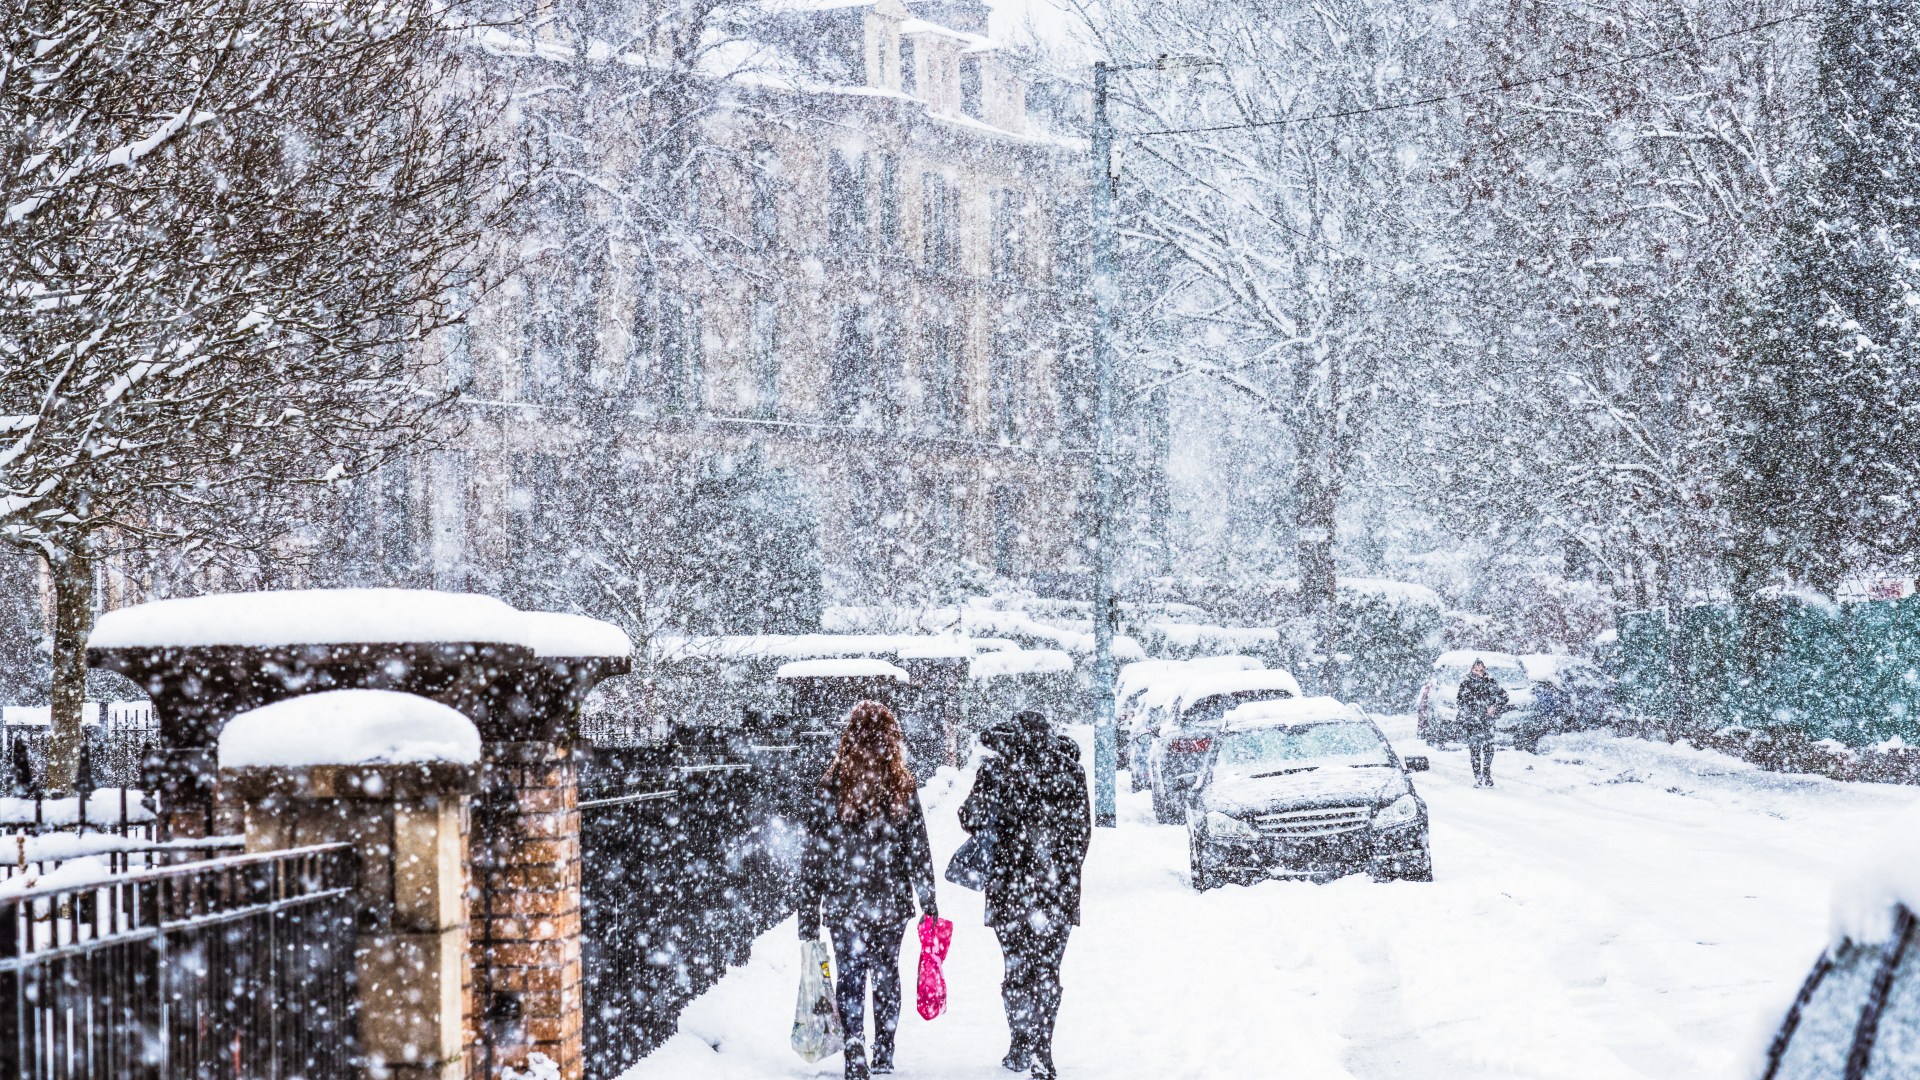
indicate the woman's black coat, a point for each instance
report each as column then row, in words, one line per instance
column 1032, row 793
column 1477, row 694
column 867, row 873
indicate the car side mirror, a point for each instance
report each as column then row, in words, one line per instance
column 1417, row 763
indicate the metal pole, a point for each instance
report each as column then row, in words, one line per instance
column 1105, row 608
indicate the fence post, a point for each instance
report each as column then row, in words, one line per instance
column 409, row 826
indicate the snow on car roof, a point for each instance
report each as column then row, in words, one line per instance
column 851, row 667
column 1282, row 712
column 348, row 727
column 1226, row 663
column 556, row 633
column 1546, row 667
column 1464, row 658
column 1211, row 684
column 1884, row 876
column 312, row 617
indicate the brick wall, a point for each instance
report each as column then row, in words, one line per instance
column 524, row 911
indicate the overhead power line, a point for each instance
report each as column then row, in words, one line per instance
column 1502, row 86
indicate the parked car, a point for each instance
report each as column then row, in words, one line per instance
column 1434, row 716
column 1306, row 788
column 1857, row 1016
column 1179, row 752
column 1149, row 685
column 1588, row 689
column 1129, row 687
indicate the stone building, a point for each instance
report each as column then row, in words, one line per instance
column 882, row 299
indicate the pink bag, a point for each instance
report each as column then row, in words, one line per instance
column 935, row 935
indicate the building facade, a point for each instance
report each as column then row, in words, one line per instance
column 866, row 273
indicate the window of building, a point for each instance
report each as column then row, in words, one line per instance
column 970, row 95
column 679, row 382
column 847, row 199
column 766, row 357
column 945, row 382
column 886, row 169
column 540, row 362
column 1006, row 530
column 851, row 384
column 1007, row 385
column 1070, row 246
column 449, row 548
column 939, row 224
column 396, row 552
column 765, row 187
column 1007, row 214
column 909, row 72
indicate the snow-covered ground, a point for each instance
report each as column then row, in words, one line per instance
column 1615, row 908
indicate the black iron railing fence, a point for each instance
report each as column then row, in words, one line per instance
column 688, row 852
column 233, row 967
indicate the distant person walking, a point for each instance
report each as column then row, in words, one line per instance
column 1031, row 796
column 1480, row 700
column 865, row 863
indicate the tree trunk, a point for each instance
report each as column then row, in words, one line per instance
column 1318, row 578
column 72, row 574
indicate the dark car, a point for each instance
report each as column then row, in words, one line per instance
column 1306, row 788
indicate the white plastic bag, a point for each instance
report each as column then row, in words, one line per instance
column 816, row 1021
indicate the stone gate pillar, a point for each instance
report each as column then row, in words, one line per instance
column 295, row 772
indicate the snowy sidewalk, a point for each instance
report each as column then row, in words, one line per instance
column 1614, row 909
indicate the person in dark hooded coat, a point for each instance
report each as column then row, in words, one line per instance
column 1479, row 701
column 866, row 861
column 1031, row 794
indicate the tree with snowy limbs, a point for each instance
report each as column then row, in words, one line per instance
column 223, row 229
column 1822, row 474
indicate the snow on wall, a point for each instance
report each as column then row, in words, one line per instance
column 312, row 617
column 852, row 667
column 348, row 727
column 1020, row 662
column 554, row 633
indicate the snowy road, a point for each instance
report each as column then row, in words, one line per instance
column 1615, row 908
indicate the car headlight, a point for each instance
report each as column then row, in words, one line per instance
column 1404, row 810
column 1219, row 824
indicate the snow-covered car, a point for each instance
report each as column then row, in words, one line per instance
column 1306, row 788
column 1179, row 752
column 1857, row 1015
column 1434, row 716
column 1146, row 684
column 1588, row 691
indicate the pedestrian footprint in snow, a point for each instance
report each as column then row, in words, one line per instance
column 1031, row 795
column 866, row 861
column 1479, row 701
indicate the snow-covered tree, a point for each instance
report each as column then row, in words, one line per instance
column 1829, row 411
column 223, row 231
column 1280, row 226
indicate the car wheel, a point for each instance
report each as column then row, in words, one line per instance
column 1202, row 877
column 1421, row 870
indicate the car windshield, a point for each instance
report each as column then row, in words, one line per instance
column 1264, row 751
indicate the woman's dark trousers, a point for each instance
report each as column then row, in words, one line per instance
column 863, row 951
column 1480, row 749
column 1031, row 988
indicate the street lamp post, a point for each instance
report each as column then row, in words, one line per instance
column 1106, row 606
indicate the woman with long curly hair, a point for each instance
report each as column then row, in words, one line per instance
column 867, row 860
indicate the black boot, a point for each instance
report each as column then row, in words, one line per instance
column 882, row 1053
column 1018, row 1056
column 856, row 1062
column 1043, row 1064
